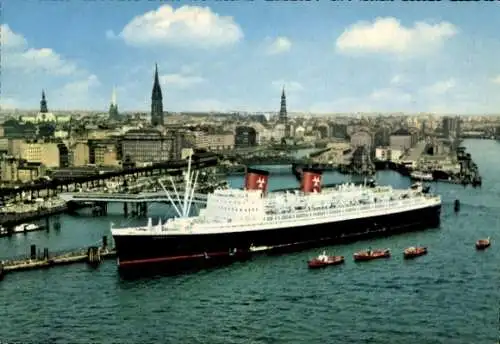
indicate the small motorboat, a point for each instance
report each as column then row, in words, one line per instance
column 371, row 255
column 323, row 260
column 412, row 252
column 483, row 244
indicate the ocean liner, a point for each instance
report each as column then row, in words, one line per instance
column 237, row 222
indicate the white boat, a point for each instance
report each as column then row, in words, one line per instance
column 26, row 227
column 419, row 175
column 236, row 221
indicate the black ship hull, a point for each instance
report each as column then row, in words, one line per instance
column 179, row 252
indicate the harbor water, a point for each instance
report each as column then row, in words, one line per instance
column 449, row 296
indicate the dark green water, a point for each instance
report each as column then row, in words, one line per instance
column 449, row 296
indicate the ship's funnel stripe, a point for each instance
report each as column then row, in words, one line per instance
column 256, row 179
column 311, row 180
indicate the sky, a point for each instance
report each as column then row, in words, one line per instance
column 330, row 56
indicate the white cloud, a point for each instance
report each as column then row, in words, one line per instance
column 19, row 57
column 10, row 39
column 81, row 86
column 379, row 100
column 78, row 94
column 387, row 35
column 45, row 60
column 181, row 80
column 398, row 79
column 290, row 86
column 278, row 45
column 186, row 26
column 187, row 69
column 7, row 103
column 496, row 80
column 391, row 95
column 440, row 87
column 70, row 86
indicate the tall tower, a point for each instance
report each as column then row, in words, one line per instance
column 156, row 102
column 283, row 116
column 43, row 103
column 113, row 107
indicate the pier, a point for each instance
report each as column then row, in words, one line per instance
column 92, row 255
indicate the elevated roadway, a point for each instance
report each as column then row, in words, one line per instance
column 168, row 167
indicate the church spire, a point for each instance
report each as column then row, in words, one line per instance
column 157, row 80
column 156, row 101
column 43, row 103
column 283, row 118
column 113, row 96
column 113, row 107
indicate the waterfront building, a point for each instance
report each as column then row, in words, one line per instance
column 14, row 129
column 214, row 142
column 145, row 146
column 338, row 130
column 402, row 140
column 104, row 152
column 362, row 138
column 18, row 170
column 50, row 154
column 323, row 129
column 245, row 136
column 451, row 126
column 80, row 154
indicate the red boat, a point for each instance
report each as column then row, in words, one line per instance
column 323, row 260
column 483, row 244
column 412, row 252
column 371, row 255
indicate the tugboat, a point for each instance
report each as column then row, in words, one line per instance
column 371, row 255
column 412, row 252
column 483, row 244
column 323, row 260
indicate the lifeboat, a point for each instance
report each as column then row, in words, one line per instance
column 323, row 260
column 371, row 255
column 412, row 252
column 483, row 244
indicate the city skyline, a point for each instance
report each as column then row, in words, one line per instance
column 331, row 57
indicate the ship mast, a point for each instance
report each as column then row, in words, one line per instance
column 191, row 180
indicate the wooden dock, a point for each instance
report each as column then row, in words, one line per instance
column 93, row 256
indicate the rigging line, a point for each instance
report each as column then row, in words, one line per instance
column 170, row 199
column 175, row 190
